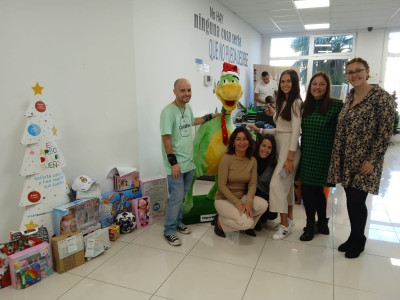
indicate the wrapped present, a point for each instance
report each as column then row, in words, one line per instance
column 40, row 233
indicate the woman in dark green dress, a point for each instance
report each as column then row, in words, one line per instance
column 318, row 125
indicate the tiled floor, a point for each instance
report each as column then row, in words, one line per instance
column 141, row 265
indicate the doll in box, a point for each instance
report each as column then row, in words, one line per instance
column 143, row 210
column 68, row 222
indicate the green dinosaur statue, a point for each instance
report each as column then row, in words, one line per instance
column 211, row 140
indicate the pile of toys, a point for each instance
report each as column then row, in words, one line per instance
column 83, row 228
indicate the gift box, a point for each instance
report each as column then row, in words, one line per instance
column 96, row 243
column 30, row 266
column 80, row 215
column 156, row 188
column 68, row 251
column 125, row 178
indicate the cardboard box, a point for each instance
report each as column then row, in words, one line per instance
column 125, row 178
column 96, row 243
column 80, row 215
column 30, row 266
column 156, row 188
column 68, row 251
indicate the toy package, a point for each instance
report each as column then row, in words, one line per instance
column 114, row 203
column 156, row 188
column 127, row 198
column 113, row 232
column 30, row 266
column 125, row 178
column 96, row 243
column 142, row 209
column 80, row 215
column 8, row 249
column 109, row 207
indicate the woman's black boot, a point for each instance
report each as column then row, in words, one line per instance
column 346, row 245
column 308, row 234
column 356, row 247
column 322, row 226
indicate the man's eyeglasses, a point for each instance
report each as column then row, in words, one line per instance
column 354, row 72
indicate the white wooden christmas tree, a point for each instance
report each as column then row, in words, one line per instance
column 45, row 185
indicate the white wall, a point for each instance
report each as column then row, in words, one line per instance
column 370, row 47
column 108, row 69
column 166, row 45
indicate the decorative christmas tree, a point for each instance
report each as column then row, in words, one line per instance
column 45, row 185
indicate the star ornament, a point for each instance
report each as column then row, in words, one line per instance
column 37, row 89
column 30, row 225
column 54, row 129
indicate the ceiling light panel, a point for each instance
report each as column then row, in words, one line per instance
column 303, row 4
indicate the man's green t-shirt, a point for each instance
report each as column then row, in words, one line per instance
column 178, row 123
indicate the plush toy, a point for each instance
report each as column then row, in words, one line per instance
column 211, row 140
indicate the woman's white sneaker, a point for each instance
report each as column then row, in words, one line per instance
column 282, row 232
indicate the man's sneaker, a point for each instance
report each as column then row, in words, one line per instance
column 183, row 229
column 282, row 232
column 172, row 239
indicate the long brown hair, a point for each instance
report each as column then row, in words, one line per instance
column 325, row 101
column 231, row 145
column 294, row 94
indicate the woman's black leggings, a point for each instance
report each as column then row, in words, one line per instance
column 314, row 200
column 357, row 210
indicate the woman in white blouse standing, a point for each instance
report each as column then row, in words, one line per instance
column 288, row 121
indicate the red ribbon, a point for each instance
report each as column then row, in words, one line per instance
column 224, row 131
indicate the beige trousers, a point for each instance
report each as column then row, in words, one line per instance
column 232, row 220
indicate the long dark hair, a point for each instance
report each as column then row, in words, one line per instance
column 231, row 145
column 271, row 159
column 294, row 94
column 325, row 101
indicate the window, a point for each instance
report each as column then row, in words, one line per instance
column 392, row 79
column 327, row 53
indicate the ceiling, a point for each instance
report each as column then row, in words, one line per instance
column 280, row 17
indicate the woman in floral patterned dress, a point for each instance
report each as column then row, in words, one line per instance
column 365, row 125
